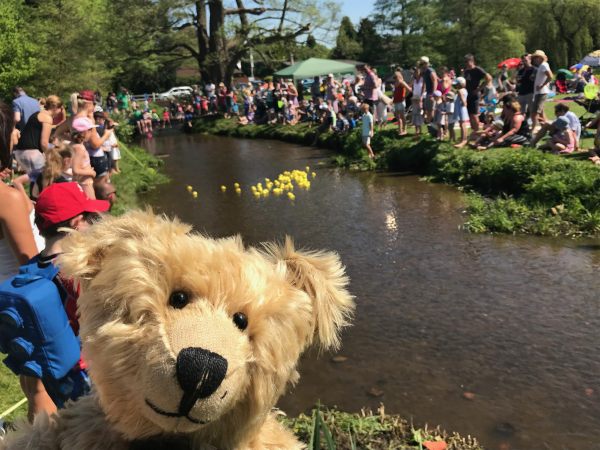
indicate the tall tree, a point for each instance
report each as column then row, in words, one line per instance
column 371, row 43
column 346, row 43
column 216, row 34
column 18, row 61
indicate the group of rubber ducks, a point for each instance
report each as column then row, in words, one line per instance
column 283, row 184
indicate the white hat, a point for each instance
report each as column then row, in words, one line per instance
column 539, row 53
column 330, row 75
column 461, row 81
column 424, row 60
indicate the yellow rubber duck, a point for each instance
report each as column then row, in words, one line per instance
column 291, row 196
column 236, row 185
column 195, row 194
column 238, row 191
column 314, row 175
column 189, row 188
column 223, row 188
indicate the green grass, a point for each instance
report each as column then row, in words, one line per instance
column 10, row 393
column 330, row 429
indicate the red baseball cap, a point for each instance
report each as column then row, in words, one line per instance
column 63, row 201
column 87, row 95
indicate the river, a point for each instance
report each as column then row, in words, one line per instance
column 512, row 320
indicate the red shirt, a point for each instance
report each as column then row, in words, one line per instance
column 399, row 94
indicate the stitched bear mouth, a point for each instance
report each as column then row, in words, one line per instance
column 157, row 410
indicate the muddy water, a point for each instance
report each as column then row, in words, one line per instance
column 513, row 320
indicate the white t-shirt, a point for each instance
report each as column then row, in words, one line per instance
column 541, row 77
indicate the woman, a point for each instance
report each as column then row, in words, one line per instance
column 35, row 140
column 18, row 242
column 515, row 131
column 418, row 91
column 36, row 134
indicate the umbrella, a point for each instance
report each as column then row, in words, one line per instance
column 592, row 59
column 511, row 63
column 568, row 74
column 576, row 67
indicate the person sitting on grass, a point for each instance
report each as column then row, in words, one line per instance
column 488, row 134
column 342, row 124
column 560, row 110
column 562, row 140
column 595, row 152
column 515, row 131
column 367, row 129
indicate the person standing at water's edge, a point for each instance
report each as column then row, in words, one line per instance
column 543, row 77
column 367, row 129
column 474, row 75
column 23, row 107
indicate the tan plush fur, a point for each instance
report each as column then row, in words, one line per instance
column 128, row 267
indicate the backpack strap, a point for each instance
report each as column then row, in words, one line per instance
column 31, row 272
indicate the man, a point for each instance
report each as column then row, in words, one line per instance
column 525, row 84
column 475, row 77
column 24, row 107
column 315, row 88
column 370, row 85
column 543, row 77
column 430, row 79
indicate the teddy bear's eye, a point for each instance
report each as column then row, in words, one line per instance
column 179, row 299
column 240, row 320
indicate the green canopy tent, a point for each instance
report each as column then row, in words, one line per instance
column 313, row 67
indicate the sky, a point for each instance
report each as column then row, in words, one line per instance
column 356, row 9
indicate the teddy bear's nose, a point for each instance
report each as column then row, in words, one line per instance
column 200, row 372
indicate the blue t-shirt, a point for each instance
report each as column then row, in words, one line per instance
column 367, row 120
column 26, row 106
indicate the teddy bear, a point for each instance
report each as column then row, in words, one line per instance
column 189, row 340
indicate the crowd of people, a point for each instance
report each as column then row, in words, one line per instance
column 56, row 174
column 57, row 161
column 466, row 107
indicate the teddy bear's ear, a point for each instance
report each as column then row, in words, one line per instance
column 322, row 276
column 84, row 252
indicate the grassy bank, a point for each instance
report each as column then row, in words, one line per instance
column 509, row 190
column 140, row 172
column 332, row 429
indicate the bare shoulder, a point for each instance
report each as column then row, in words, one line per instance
column 45, row 117
column 11, row 198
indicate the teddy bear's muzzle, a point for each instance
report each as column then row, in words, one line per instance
column 199, row 373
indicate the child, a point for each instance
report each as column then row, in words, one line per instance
column 342, row 124
column 56, row 170
column 489, row 134
column 449, row 106
column 83, row 173
column 166, row 118
column 461, row 114
column 401, row 88
column 563, row 139
column 439, row 115
column 63, row 206
column 367, row 129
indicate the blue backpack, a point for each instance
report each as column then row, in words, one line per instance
column 36, row 334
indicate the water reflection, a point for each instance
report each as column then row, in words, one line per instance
column 514, row 320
